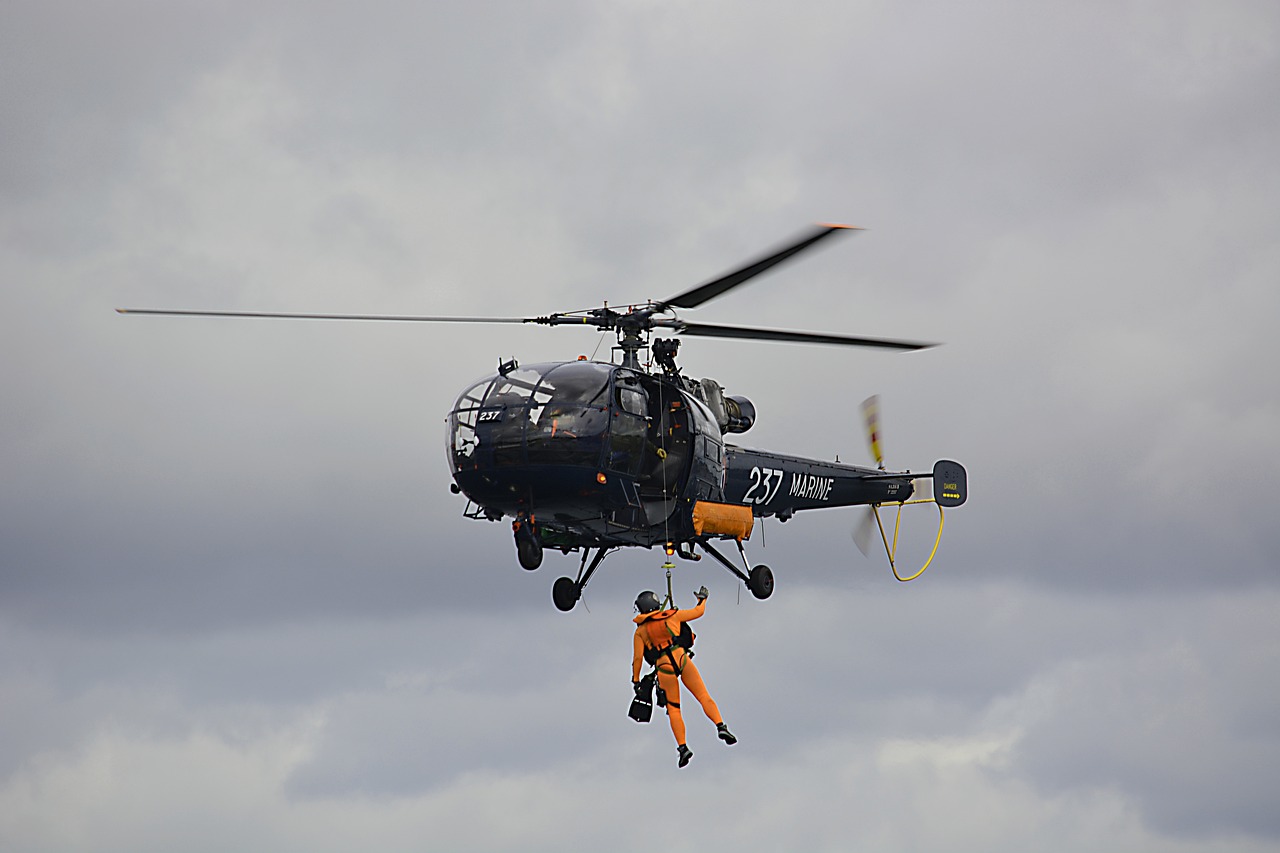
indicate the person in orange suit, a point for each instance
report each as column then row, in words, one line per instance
column 658, row 634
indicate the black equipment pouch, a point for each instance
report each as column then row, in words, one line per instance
column 642, row 706
column 686, row 638
column 662, row 698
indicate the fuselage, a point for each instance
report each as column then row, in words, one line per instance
column 599, row 454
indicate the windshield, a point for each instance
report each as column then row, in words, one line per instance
column 540, row 414
column 569, row 425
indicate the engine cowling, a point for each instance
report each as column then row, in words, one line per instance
column 733, row 414
column 741, row 414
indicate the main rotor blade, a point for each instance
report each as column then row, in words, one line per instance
column 706, row 292
column 708, row 330
column 379, row 317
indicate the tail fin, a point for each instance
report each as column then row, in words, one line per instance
column 950, row 483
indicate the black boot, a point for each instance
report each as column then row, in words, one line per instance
column 725, row 735
column 685, row 754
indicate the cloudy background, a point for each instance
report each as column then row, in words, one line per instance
column 240, row 609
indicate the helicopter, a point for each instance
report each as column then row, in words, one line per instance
column 592, row 456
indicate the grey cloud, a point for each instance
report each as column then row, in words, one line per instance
column 224, row 543
column 1171, row 723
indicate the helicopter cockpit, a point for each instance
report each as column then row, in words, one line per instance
column 581, row 414
column 552, row 414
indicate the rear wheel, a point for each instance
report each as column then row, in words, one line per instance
column 565, row 594
column 760, row 582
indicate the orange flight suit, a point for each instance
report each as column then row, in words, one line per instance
column 657, row 630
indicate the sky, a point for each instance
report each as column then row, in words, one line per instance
column 240, row 608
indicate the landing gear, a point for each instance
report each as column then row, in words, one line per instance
column 528, row 545
column 565, row 594
column 566, row 591
column 760, row 582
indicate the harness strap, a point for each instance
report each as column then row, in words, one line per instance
column 668, row 649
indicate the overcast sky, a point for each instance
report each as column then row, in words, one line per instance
column 240, row 609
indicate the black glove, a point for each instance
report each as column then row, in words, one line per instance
column 701, row 594
column 638, row 687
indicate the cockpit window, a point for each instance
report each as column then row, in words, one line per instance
column 569, row 427
column 539, row 414
column 577, row 384
column 633, row 401
column 513, row 389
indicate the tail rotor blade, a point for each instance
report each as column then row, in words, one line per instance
column 862, row 532
column 871, row 417
column 866, row 524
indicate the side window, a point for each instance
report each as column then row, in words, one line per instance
column 632, row 400
column 627, row 445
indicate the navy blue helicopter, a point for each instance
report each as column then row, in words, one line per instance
column 589, row 456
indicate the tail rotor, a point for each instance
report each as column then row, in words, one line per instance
column 950, row 489
column 871, row 419
column 867, row 521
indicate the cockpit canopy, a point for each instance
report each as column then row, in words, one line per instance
column 537, row 414
column 527, row 427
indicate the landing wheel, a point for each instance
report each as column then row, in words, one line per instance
column 760, row 582
column 565, row 594
column 528, row 547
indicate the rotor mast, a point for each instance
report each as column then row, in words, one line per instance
column 630, row 342
column 632, row 326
